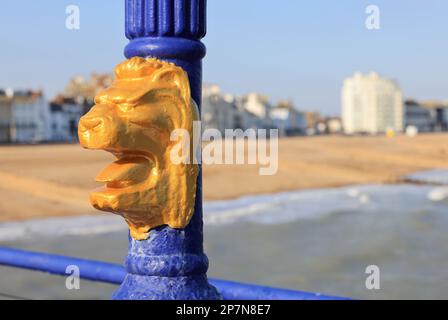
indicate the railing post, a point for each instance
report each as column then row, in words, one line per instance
column 155, row 93
column 171, row 263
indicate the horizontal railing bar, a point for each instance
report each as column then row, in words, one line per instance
column 57, row 264
column 114, row 273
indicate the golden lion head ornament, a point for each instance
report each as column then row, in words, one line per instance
column 133, row 119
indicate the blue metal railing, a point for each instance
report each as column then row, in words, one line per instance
column 114, row 273
column 170, row 31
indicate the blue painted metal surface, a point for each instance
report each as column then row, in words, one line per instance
column 113, row 273
column 171, row 263
column 57, row 264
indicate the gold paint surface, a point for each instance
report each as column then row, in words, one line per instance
column 133, row 119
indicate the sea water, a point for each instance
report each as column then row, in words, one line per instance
column 314, row 240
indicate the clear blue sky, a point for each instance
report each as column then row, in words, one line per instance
column 293, row 49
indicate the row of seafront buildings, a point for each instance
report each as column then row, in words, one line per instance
column 374, row 105
column 253, row 111
column 370, row 105
column 26, row 116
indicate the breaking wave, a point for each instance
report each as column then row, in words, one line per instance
column 263, row 209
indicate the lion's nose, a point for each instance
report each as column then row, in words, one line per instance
column 90, row 123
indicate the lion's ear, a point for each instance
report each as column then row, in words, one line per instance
column 175, row 76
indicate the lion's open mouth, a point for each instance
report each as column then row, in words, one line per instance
column 127, row 171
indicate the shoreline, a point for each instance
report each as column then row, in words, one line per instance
column 54, row 180
column 247, row 208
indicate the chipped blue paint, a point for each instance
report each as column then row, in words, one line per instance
column 171, row 263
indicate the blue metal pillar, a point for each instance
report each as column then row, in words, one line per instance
column 171, row 263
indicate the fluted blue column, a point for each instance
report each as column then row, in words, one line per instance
column 171, row 263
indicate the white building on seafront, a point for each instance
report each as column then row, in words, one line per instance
column 224, row 111
column 24, row 116
column 64, row 118
column 371, row 104
column 287, row 119
column 219, row 110
column 258, row 108
column 253, row 111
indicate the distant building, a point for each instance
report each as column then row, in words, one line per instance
column 83, row 91
column 328, row 125
column 259, row 106
column 73, row 102
column 334, row 125
column 23, row 116
column 247, row 120
column 371, row 104
column 312, row 120
column 224, row 111
column 287, row 119
column 64, row 118
column 218, row 110
column 439, row 114
column 416, row 115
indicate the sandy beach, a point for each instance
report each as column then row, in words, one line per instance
column 55, row 180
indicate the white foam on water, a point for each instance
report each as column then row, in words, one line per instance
column 281, row 207
column 79, row 225
column 315, row 204
column 438, row 194
column 263, row 209
column 437, row 176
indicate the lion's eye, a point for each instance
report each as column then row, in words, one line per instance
column 125, row 107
